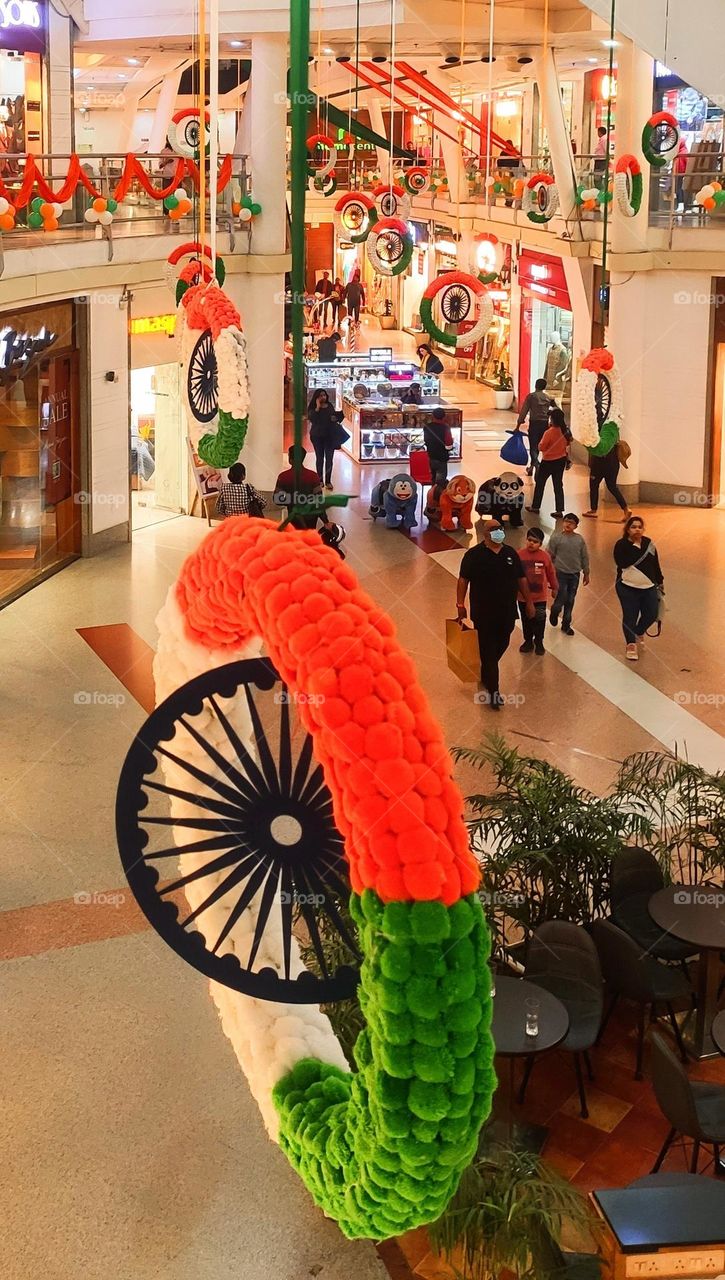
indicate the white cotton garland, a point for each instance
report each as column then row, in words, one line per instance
column 585, row 426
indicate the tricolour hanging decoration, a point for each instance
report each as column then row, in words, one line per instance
column 190, row 263
column 102, row 211
column 389, row 246
column 540, row 198
column 323, row 179
column 460, row 296
column 185, row 133
column 660, row 139
column 710, row 196
column 598, row 405
column 487, row 257
column 355, row 215
column 628, row 185
column 214, row 369
column 392, row 201
column 416, row 180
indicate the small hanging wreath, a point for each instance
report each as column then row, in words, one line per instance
column 322, row 140
column 355, row 214
column 628, row 185
column 487, row 257
column 390, row 246
column 416, row 180
column 541, row 198
column 392, row 201
column 459, row 292
column 660, row 139
column 198, row 268
column 598, row 402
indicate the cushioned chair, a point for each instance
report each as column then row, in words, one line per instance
column 635, row 876
column 562, row 958
column 631, row 973
column 693, row 1108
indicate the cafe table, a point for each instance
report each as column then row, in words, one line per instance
column 696, row 914
column 508, row 1028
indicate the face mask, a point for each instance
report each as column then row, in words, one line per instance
column 497, row 535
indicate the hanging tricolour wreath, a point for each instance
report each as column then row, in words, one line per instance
column 487, row 257
column 416, row 180
column 392, row 201
column 214, row 360
column 598, row 409
column 660, row 139
column 541, row 198
column 390, row 246
column 355, row 214
column 628, row 185
column 458, row 293
column 189, row 264
column 322, row 179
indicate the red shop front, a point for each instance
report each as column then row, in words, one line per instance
column 546, row 327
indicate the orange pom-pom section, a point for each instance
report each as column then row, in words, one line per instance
column 210, row 309
column 381, row 749
column 599, row 360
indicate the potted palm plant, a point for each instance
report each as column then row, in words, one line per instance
column 504, row 389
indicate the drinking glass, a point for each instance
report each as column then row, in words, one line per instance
column 532, row 1017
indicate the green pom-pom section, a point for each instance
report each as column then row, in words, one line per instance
column 224, row 447
column 608, row 437
column 382, row 1151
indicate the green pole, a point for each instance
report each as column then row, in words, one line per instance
column 300, row 104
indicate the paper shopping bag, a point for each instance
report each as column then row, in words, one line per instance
column 462, row 649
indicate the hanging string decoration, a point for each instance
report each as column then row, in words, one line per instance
column 246, row 209
column 459, row 294
column 390, row 246
column 416, row 180
column 598, row 405
column 7, row 215
column 709, row 197
column 381, row 1150
column 392, row 201
column 214, row 360
column 355, row 215
column 101, row 211
column 191, row 263
column 628, row 187
column 322, row 179
column 660, row 139
column 540, row 198
column 487, row 257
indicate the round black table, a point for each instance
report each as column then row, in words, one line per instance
column 508, row 1029
column 717, row 1032
column 696, row 914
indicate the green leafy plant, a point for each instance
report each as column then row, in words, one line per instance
column 345, row 1016
column 504, row 381
column 509, row 1213
column 545, row 844
column 684, row 807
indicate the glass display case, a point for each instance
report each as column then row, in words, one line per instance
column 383, row 430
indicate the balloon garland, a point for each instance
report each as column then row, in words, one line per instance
column 214, row 359
column 660, row 139
column 354, row 216
column 45, row 214
column 381, row 1150
column 101, row 211
column 540, row 198
column 392, row 201
column 628, row 185
column 416, row 180
column 598, row 402
column 459, row 292
column 246, row 209
column 711, row 196
column 389, row 246
column 7, row 215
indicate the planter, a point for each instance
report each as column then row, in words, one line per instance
column 504, row 399
column 387, row 322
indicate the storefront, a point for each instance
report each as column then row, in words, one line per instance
column 158, row 451
column 547, row 323
column 23, row 33
column 41, row 498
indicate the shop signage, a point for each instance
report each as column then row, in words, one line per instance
column 544, row 276
column 17, row 349
column 154, row 324
column 602, row 86
column 22, row 25
column 56, row 421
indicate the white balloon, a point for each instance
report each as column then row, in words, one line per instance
column 707, row 191
column 105, row 218
column 245, row 215
column 180, row 194
column 57, row 210
column 4, row 205
column 90, row 215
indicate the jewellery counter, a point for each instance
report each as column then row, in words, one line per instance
column 385, row 431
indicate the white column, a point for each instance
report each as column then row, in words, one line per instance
column 634, row 106
column 268, row 133
column 552, row 108
column 164, row 111
column 377, row 124
column 59, row 119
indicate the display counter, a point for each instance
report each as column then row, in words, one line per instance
column 338, row 377
column 384, row 431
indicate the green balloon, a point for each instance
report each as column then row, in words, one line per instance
column 256, row 208
column 719, row 197
column 498, row 188
column 171, row 202
column 34, row 219
column 247, row 202
column 36, row 204
column 112, row 205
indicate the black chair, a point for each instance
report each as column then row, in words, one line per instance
column 633, row 974
column 693, row 1108
column 635, row 876
column 563, row 959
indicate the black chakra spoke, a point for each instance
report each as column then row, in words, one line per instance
column 266, row 759
column 227, row 767
column 245, row 899
column 198, row 846
column 250, row 766
column 266, row 903
column 285, row 746
column 302, row 769
column 232, row 858
column 234, row 879
column 287, row 891
column 202, row 802
column 198, row 824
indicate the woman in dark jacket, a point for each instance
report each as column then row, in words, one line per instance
column 429, row 362
column 326, row 434
column 354, row 295
column 437, row 440
column 639, row 583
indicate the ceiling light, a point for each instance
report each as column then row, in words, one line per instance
column 452, row 60
column 235, row 44
column 122, row 75
column 343, row 57
column 457, row 115
column 328, row 51
column 505, row 107
column 488, row 58
column 524, row 60
column 134, row 62
column 592, row 59
column 378, row 57
column 610, row 44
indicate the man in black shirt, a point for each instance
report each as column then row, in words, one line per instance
column 495, row 575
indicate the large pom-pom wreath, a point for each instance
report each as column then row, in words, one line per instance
column 392, row 201
column 390, row 246
column 598, row 404
column 355, row 215
column 660, row 139
column 185, row 133
column 540, row 198
column 416, row 180
column 381, row 1150
column 457, row 292
column 628, row 185
column 214, row 359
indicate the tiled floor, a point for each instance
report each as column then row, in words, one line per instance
column 131, row 1146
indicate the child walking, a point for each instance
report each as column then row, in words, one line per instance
column 540, row 575
column 569, row 552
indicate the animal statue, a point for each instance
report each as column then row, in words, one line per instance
column 399, row 501
column 457, row 503
column 502, row 496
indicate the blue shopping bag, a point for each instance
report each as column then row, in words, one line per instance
column 514, row 451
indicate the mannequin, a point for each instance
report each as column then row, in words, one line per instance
column 557, row 363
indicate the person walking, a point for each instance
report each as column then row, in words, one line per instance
column 354, row 296
column 541, row 577
column 336, row 298
column 605, row 467
column 570, row 555
column 438, row 440
column 639, row 583
column 323, row 290
column 554, row 450
column 495, row 575
column 236, row 497
column 326, row 433
column 536, row 408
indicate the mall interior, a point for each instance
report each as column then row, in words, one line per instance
column 363, row 840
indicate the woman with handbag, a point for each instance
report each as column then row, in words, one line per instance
column 640, row 584
column 236, row 497
column 554, row 455
column 327, row 434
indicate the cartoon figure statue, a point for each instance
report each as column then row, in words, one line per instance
column 502, row 496
column 433, row 504
column 457, row 503
column 399, row 501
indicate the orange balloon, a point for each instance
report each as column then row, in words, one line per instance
column 589, row 204
column 7, row 221
column 47, row 211
column 235, row 207
column 709, row 203
column 184, row 207
column 99, row 205
column 716, row 186
column 51, row 224
column 518, row 188
column 175, row 214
